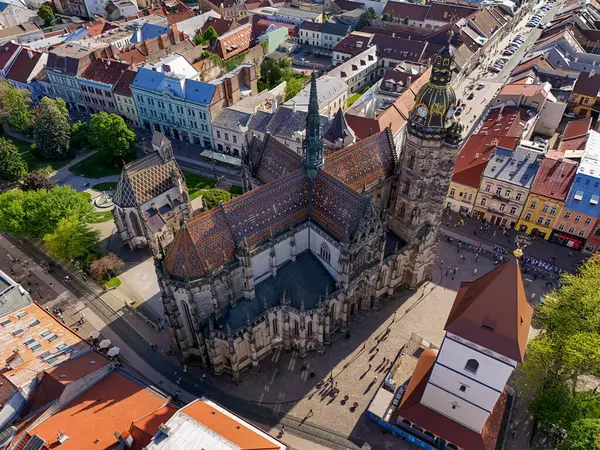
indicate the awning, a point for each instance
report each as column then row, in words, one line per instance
column 222, row 158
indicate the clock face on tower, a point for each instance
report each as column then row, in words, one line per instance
column 422, row 111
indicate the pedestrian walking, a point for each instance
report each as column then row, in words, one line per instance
column 477, row 257
column 370, row 365
column 455, row 270
column 475, row 271
column 282, row 430
column 462, row 257
column 494, row 234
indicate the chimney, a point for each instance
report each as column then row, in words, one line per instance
column 274, row 105
column 408, row 82
column 293, row 106
column 61, row 437
column 30, row 54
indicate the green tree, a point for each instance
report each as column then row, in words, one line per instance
column 72, row 239
column 52, row 131
column 15, row 107
column 285, row 62
column 210, row 35
column 555, row 405
column 80, row 135
column 406, row 21
column 36, row 213
column 213, row 197
column 12, row 166
column 112, row 137
column 46, row 14
column 583, row 435
column 292, row 88
column 364, row 20
column 270, row 73
column 387, row 17
column 371, row 13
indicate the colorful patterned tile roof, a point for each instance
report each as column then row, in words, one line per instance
column 144, row 179
column 363, row 163
column 202, row 245
column 273, row 160
column 269, row 210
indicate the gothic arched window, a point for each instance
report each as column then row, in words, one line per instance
column 402, row 210
column 310, row 329
column 325, row 252
column 472, row 366
column 296, row 328
column 275, row 326
column 188, row 317
column 406, row 187
column 135, row 223
column 414, row 215
column 411, row 161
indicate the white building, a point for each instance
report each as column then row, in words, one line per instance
column 332, row 92
column 229, row 131
column 460, row 390
column 295, row 16
column 358, row 71
column 15, row 12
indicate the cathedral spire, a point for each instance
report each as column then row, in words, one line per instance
column 313, row 157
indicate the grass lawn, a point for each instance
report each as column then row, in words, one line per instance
column 236, row 190
column 197, row 183
column 113, row 283
column 33, row 162
column 94, row 166
column 352, row 99
column 101, row 216
column 108, row 186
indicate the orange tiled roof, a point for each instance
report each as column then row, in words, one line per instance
column 33, row 341
column 508, row 121
column 91, row 419
column 226, row 425
column 554, row 178
column 526, row 90
column 142, row 430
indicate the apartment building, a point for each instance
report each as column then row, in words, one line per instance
column 97, row 83
column 359, row 71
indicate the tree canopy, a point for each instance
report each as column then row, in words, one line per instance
column 213, row 197
column 46, row 14
column 583, row 435
column 272, row 73
column 567, row 348
column 112, row 137
column 15, row 107
column 52, row 131
column 72, row 239
column 12, row 166
column 103, row 268
column 208, row 37
column 36, row 213
column 35, row 180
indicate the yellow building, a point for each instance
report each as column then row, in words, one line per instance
column 585, row 94
column 547, row 196
column 460, row 197
column 124, row 99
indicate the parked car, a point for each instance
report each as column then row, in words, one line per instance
column 458, row 111
column 471, row 96
column 496, row 69
column 480, row 86
column 508, row 52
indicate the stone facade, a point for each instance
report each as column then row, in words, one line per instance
column 151, row 199
column 313, row 240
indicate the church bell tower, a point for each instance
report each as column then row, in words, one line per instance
column 313, row 157
column 424, row 170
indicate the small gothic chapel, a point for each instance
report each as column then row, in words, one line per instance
column 151, row 199
column 314, row 239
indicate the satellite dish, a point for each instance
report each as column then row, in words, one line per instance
column 105, row 343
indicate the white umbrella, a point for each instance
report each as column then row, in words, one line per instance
column 105, row 343
column 94, row 334
column 113, row 352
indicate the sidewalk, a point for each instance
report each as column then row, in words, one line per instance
column 539, row 248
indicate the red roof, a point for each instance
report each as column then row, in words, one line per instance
column 7, row 51
column 497, row 300
column 145, row 428
column 99, row 27
column 508, row 121
column 221, row 26
column 91, row 419
column 587, row 84
column 23, row 66
column 398, row 48
column 405, row 10
column 577, row 128
column 348, row 5
column 554, row 178
column 526, row 90
column 353, row 44
column 411, row 409
column 105, row 71
column 475, row 154
column 122, row 86
column 173, row 10
column 133, row 56
column 261, row 26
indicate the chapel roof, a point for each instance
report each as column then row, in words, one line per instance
column 144, row 179
column 338, row 129
column 272, row 159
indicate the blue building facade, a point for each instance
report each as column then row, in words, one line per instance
column 177, row 106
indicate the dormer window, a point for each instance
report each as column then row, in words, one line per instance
column 472, row 366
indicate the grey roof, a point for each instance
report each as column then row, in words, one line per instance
column 260, row 121
column 232, row 119
column 338, row 129
column 12, row 295
column 335, row 28
column 286, row 122
column 518, row 167
column 296, row 12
